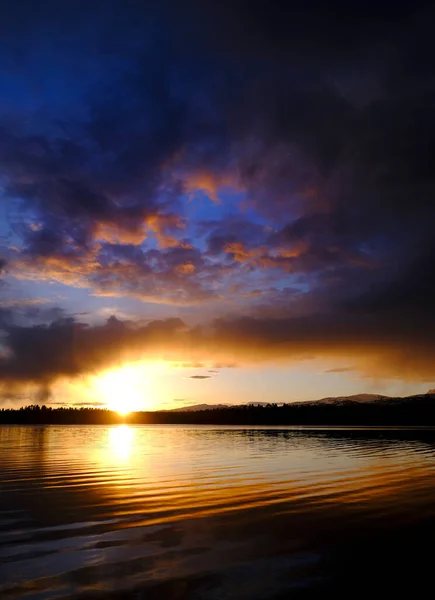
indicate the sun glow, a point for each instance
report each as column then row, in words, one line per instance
column 123, row 389
column 121, row 441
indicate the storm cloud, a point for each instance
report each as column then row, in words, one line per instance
column 270, row 164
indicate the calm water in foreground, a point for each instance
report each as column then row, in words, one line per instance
column 212, row 513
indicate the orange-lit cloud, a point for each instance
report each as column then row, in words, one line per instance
column 162, row 226
column 116, row 233
column 209, row 183
column 73, row 269
column 266, row 257
column 135, row 232
column 168, row 275
column 186, row 268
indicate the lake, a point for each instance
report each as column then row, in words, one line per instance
column 208, row 513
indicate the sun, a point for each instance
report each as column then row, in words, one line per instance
column 122, row 389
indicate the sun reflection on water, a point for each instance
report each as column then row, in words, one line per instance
column 121, row 440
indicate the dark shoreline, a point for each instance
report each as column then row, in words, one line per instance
column 413, row 411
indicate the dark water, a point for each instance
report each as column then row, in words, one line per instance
column 213, row 513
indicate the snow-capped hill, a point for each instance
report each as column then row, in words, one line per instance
column 198, row 407
column 355, row 398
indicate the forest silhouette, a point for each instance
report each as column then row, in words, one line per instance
column 409, row 411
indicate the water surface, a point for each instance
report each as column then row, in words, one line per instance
column 214, row 512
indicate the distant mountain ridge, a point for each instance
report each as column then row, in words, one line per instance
column 329, row 400
column 195, row 407
column 360, row 398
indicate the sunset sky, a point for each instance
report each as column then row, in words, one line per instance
column 215, row 202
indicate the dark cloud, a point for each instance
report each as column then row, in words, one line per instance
column 306, row 131
column 341, row 370
column 25, row 311
column 43, row 394
column 67, row 349
column 81, row 404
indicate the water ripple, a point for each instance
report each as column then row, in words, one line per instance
column 84, row 509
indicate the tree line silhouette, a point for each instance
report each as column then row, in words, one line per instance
column 411, row 411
